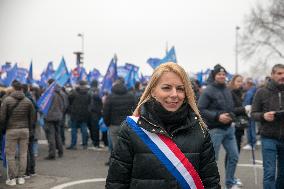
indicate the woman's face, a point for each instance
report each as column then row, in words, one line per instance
column 238, row 82
column 169, row 91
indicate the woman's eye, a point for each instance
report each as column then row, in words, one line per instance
column 180, row 89
column 166, row 88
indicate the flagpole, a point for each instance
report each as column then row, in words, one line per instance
column 82, row 41
column 236, row 51
column 252, row 152
column 167, row 47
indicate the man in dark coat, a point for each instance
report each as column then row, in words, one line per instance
column 216, row 106
column 118, row 105
column 79, row 100
column 268, row 109
column 52, row 123
column 95, row 109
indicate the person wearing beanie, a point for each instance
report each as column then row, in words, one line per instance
column 18, row 116
column 216, row 106
column 218, row 68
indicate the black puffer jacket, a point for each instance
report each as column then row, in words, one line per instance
column 215, row 100
column 265, row 100
column 134, row 166
column 119, row 104
column 79, row 104
column 96, row 105
column 239, row 109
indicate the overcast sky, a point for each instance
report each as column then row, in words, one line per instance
column 202, row 31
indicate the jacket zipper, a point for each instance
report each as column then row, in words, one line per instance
column 169, row 135
column 280, row 108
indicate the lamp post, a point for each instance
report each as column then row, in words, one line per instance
column 236, row 50
column 82, row 44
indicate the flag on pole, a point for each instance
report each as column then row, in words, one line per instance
column 22, row 75
column 110, row 76
column 30, row 79
column 61, row 75
column 44, row 101
column 11, row 75
column 93, row 75
column 46, row 74
column 170, row 57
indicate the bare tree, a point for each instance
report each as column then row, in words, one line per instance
column 262, row 39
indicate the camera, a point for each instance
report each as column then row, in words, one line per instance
column 279, row 115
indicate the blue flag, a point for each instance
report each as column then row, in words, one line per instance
column 130, row 79
column 78, row 74
column 22, row 75
column 30, row 79
column 5, row 68
column 110, row 76
column 102, row 125
column 46, row 74
column 154, row 62
column 94, row 75
column 170, row 57
column 122, row 71
column 132, row 75
column 83, row 74
column 75, row 74
column 61, row 75
column 11, row 75
column 44, row 101
column 199, row 77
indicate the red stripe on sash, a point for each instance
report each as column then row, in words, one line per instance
column 173, row 147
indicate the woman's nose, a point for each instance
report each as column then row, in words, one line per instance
column 174, row 92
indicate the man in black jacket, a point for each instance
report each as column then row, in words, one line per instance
column 216, row 106
column 95, row 109
column 119, row 104
column 267, row 106
column 79, row 100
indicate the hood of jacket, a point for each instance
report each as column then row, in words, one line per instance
column 119, row 89
column 82, row 89
column 18, row 95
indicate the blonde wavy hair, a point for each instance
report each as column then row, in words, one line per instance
column 189, row 93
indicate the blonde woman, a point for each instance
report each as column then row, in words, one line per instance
column 165, row 144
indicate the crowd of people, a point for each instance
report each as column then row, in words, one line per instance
column 172, row 122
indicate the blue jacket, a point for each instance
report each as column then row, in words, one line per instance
column 248, row 98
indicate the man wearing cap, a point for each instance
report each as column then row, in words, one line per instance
column 18, row 114
column 216, row 106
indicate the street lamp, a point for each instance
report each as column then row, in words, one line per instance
column 236, row 50
column 82, row 44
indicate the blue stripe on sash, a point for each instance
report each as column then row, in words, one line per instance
column 159, row 154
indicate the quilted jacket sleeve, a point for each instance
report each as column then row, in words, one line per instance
column 119, row 174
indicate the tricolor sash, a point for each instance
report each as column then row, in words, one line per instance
column 170, row 156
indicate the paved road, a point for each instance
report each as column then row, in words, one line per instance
column 85, row 169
